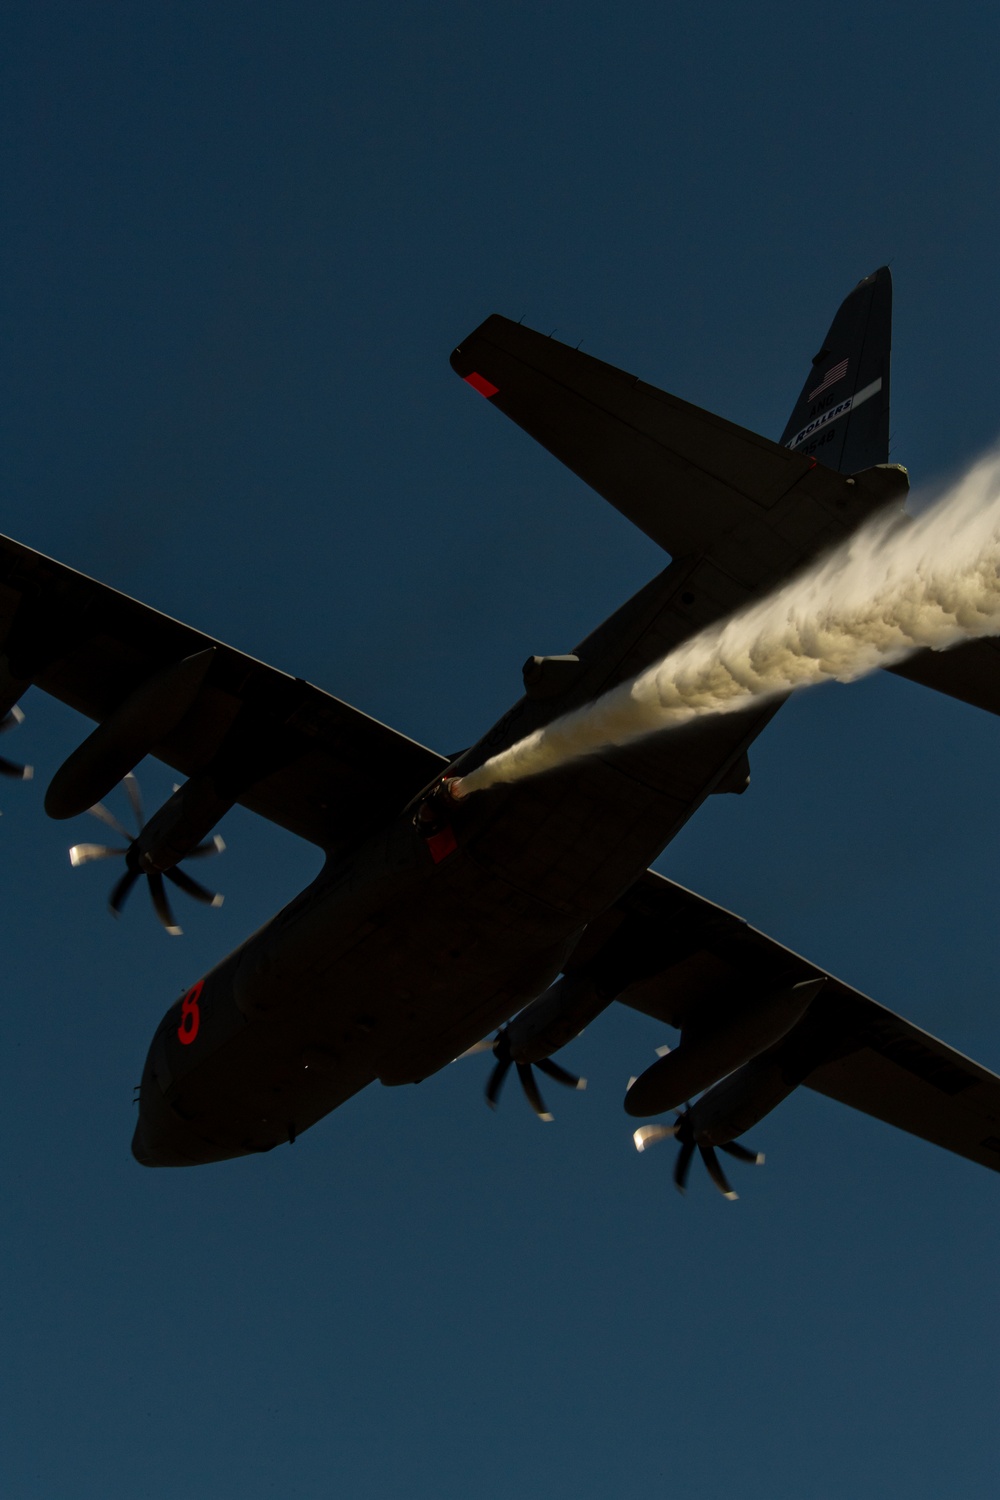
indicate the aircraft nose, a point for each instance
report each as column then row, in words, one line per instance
column 162, row 1138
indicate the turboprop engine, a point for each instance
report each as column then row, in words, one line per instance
column 145, row 718
column 720, row 1115
column 548, row 1023
column 717, row 1042
column 154, row 851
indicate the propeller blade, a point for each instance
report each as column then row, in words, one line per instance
column 495, row 1081
column 648, row 1135
column 534, row 1098
column 214, row 845
column 161, row 905
column 683, row 1165
column 120, row 892
column 135, row 798
column 716, row 1173
column 158, row 896
column 82, row 854
column 193, row 888
column 570, row 1080
column 110, row 821
column 13, row 768
column 733, row 1148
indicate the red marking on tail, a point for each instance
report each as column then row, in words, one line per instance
column 481, row 384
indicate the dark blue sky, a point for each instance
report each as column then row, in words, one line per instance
column 240, row 242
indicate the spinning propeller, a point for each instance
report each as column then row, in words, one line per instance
column 12, row 768
column 83, row 854
column 525, row 1072
column 683, row 1131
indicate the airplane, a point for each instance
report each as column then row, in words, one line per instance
column 522, row 912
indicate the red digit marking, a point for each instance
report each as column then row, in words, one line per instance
column 190, row 1015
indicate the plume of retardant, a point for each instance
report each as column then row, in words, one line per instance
column 899, row 584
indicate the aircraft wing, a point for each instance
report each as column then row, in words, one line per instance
column 846, row 1046
column 273, row 743
column 684, row 476
column 970, row 672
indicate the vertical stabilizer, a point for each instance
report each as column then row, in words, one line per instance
column 842, row 414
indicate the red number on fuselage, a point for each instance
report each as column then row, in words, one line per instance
column 190, row 1015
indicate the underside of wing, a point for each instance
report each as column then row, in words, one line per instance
column 673, row 955
column 254, row 735
column 970, row 673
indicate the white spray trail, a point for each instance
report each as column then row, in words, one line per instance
column 897, row 585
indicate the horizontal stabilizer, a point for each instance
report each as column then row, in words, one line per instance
column 681, row 474
column 970, row 672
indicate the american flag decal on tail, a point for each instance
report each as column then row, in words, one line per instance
column 830, row 378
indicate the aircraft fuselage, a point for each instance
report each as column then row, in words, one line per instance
column 433, row 933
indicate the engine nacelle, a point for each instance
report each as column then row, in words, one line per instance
column 739, row 1101
column 712, row 1051
column 555, row 1018
column 180, row 825
column 117, row 746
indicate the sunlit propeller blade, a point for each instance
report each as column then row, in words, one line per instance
column 108, row 818
column 161, row 905
column 530, row 1087
column 553, row 1070
column 83, row 854
column 716, row 1173
column 13, row 768
column 733, row 1148
column 193, row 887
column 648, row 1135
column 135, row 798
column 215, row 845
column 683, row 1130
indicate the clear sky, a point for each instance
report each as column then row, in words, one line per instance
column 239, row 244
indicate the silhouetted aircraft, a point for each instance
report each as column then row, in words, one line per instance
column 434, row 922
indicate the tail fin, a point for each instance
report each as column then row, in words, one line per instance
column 842, row 414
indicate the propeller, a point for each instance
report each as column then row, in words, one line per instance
column 12, row 768
column 84, row 854
column 683, row 1131
column 525, row 1073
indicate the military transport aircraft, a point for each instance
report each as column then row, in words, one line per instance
column 435, row 922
